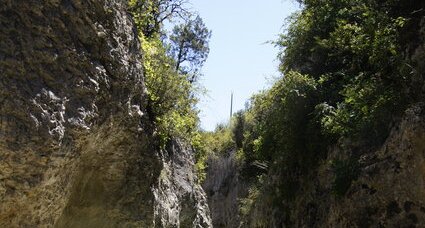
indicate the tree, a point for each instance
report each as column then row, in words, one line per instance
column 238, row 129
column 149, row 15
column 189, row 47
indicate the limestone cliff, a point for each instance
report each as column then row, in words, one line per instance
column 224, row 187
column 76, row 148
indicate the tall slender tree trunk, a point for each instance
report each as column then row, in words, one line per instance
column 180, row 55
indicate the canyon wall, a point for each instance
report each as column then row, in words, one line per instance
column 77, row 148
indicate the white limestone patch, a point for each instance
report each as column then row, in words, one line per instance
column 51, row 114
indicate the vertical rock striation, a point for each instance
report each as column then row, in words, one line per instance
column 76, row 149
column 224, row 188
column 179, row 200
column 389, row 191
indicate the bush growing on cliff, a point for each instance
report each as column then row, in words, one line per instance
column 285, row 138
column 171, row 99
column 216, row 143
column 238, row 129
column 172, row 94
column 353, row 49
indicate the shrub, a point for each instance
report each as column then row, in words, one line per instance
column 171, row 96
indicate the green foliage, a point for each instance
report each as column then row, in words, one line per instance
column 216, row 143
column 144, row 12
column 225, row 139
column 171, row 99
column 288, row 136
column 188, row 43
column 189, row 46
column 171, row 94
column 149, row 15
column 345, row 171
column 247, row 204
column 170, row 72
column 238, row 129
column 352, row 48
column 283, row 113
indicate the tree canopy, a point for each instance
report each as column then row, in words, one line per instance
column 189, row 46
column 150, row 15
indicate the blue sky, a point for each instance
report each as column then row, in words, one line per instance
column 240, row 60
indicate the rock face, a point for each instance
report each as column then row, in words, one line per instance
column 389, row 191
column 224, row 188
column 76, row 149
column 179, row 201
